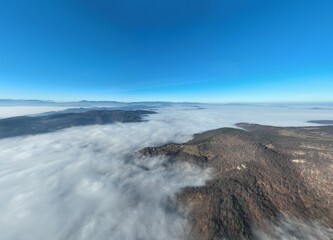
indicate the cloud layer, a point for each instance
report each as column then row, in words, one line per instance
column 90, row 183
column 13, row 111
column 290, row 229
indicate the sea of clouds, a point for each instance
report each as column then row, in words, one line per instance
column 91, row 183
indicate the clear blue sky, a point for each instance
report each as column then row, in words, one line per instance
column 177, row 50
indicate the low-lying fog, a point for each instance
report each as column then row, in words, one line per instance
column 14, row 111
column 90, row 183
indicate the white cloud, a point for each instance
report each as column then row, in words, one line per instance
column 14, row 111
column 89, row 183
column 289, row 229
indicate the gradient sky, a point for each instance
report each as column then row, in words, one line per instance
column 176, row 50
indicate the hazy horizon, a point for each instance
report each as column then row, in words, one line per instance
column 156, row 101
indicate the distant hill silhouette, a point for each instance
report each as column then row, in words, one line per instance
column 27, row 125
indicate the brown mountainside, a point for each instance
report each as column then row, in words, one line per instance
column 259, row 176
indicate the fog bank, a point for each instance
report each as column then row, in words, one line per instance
column 290, row 229
column 90, row 183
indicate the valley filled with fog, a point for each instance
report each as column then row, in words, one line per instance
column 91, row 183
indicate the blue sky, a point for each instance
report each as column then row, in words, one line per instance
column 168, row 50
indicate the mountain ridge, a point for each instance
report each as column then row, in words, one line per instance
column 31, row 125
column 260, row 176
